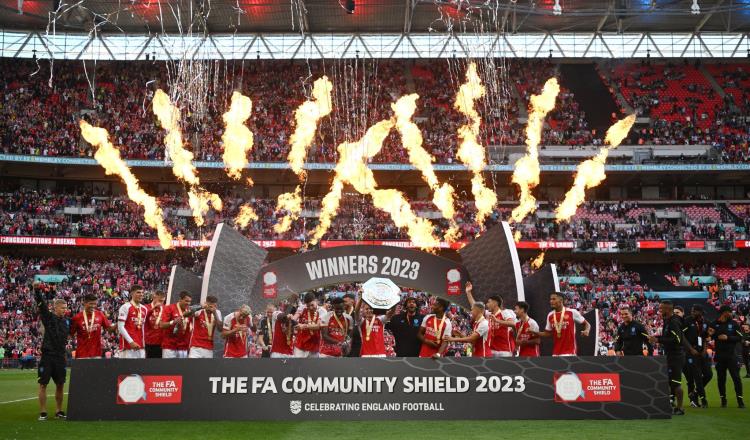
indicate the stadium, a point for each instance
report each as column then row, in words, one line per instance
column 533, row 214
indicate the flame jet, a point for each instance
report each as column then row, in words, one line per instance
column 238, row 141
column 307, row 117
column 590, row 173
column 182, row 159
column 109, row 158
column 471, row 152
column 411, row 139
column 526, row 172
column 352, row 169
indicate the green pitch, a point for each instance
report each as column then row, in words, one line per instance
column 19, row 410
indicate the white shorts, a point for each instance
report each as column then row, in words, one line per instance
column 132, row 354
column 564, row 355
column 501, row 354
column 327, row 356
column 373, row 356
column 174, row 354
column 281, row 356
column 200, row 353
column 304, row 353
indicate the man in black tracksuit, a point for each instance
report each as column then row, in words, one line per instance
column 405, row 328
column 726, row 332
column 631, row 336
column 52, row 363
column 697, row 368
column 674, row 345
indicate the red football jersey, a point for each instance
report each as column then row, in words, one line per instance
column 338, row 328
column 204, row 327
column 373, row 341
column 154, row 317
column 309, row 340
column 565, row 342
column 235, row 346
column 281, row 338
column 522, row 329
column 134, row 318
column 179, row 340
column 434, row 329
column 501, row 337
column 481, row 347
column 88, row 333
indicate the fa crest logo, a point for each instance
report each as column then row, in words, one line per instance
column 295, row 406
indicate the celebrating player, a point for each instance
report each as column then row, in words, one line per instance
column 86, row 326
column 435, row 327
column 176, row 323
column 480, row 335
column 336, row 331
column 307, row 341
column 131, row 321
column 527, row 344
column 236, row 332
column 282, row 344
column 502, row 323
column 203, row 323
column 563, row 321
column 154, row 332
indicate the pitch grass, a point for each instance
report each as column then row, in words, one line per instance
column 18, row 421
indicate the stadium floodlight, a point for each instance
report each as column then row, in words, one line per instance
column 557, row 9
column 695, row 9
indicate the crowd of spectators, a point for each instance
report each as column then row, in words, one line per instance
column 39, row 110
column 43, row 213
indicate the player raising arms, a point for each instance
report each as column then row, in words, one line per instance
column 282, row 343
column 236, row 332
column 336, row 331
column 86, row 326
column 480, row 335
column 131, row 321
column 204, row 323
column 435, row 327
column 561, row 326
column 502, row 324
column 371, row 329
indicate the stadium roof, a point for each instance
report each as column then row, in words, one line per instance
column 375, row 16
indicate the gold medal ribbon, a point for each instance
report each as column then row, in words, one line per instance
column 209, row 323
column 139, row 321
column 89, row 325
column 368, row 327
column 558, row 324
column 438, row 330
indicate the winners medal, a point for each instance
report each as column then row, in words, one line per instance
column 89, row 325
column 559, row 324
column 139, row 320
column 368, row 327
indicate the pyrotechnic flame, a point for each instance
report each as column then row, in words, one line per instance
column 237, row 138
column 352, row 169
column 411, row 139
column 109, row 158
column 526, row 172
column 307, row 116
column 291, row 202
column 471, row 152
column 590, row 173
column 245, row 216
column 182, row 159
column 517, row 236
column 537, row 262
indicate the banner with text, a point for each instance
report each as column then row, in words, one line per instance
column 369, row 389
